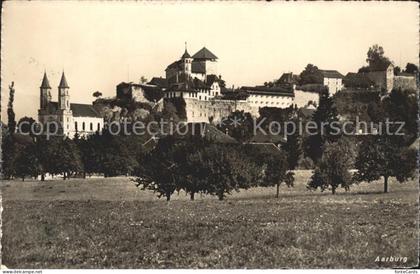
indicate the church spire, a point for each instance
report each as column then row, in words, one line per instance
column 63, row 82
column 186, row 54
column 45, row 83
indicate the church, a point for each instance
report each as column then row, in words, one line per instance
column 72, row 118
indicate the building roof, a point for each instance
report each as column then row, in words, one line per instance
column 279, row 91
column 159, row 81
column 185, row 55
column 331, row 73
column 63, row 82
column 45, row 83
column 207, row 131
column 174, row 65
column 288, row 78
column 358, row 80
column 79, row 110
column 84, row 110
column 204, row 54
column 405, row 74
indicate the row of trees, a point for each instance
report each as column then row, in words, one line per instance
column 197, row 166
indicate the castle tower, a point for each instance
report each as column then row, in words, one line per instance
column 45, row 92
column 63, row 94
column 186, row 60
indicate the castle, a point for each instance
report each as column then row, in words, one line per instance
column 71, row 118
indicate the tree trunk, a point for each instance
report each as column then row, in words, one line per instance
column 192, row 196
column 220, row 195
column 64, row 176
column 277, row 190
column 42, row 177
column 84, row 175
column 385, row 184
column 333, row 190
column 168, row 197
column 23, row 178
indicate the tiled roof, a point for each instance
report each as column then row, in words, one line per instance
column 288, row 78
column 159, row 81
column 205, row 54
column 79, row 110
column 360, row 80
column 331, row 73
column 63, row 82
column 281, row 91
column 174, row 65
column 45, row 82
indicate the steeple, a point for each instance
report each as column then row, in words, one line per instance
column 45, row 83
column 186, row 54
column 63, row 82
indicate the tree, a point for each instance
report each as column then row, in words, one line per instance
column 143, row 79
column 375, row 56
column 397, row 70
column 239, row 125
column 27, row 162
column 11, row 122
column 381, row 156
column 275, row 172
column 310, row 75
column 25, row 125
column 293, row 148
column 63, row 157
column 325, row 116
column 97, row 94
column 332, row 171
column 157, row 169
column 411, row 68
column 225, row 170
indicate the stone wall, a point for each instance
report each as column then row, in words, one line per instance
column 405, row 82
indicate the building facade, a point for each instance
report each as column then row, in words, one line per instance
column 71, row 118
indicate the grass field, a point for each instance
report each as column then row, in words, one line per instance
column 109, row 223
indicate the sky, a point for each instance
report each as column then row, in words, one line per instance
column 100, row 44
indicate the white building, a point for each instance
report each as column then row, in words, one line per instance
column 277, row 97
column 71, row 118
column 333, row 80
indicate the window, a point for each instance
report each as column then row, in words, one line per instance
column 91, row 126
column 99, row 126
column 75, row 126
column 83, row 126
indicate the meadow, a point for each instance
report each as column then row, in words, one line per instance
column 109, row 223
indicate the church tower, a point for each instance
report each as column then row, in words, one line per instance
column 63, row 94
column 45, row 92
column 65, row 113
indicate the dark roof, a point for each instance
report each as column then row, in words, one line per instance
column 312, row 87
column 331, row 73
column 63, row 82
column 269, row 90
column 159, row 81
column 288, row 78
column 207, row 131
column 174, row 65
column 405, row 74
column 379, row 65
column 198, row 67
column 79, row 110
column 185, row 55
column 45, row 82
column 192, row 85
column 84, row 110
column 359, row 80
column 205, row 54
